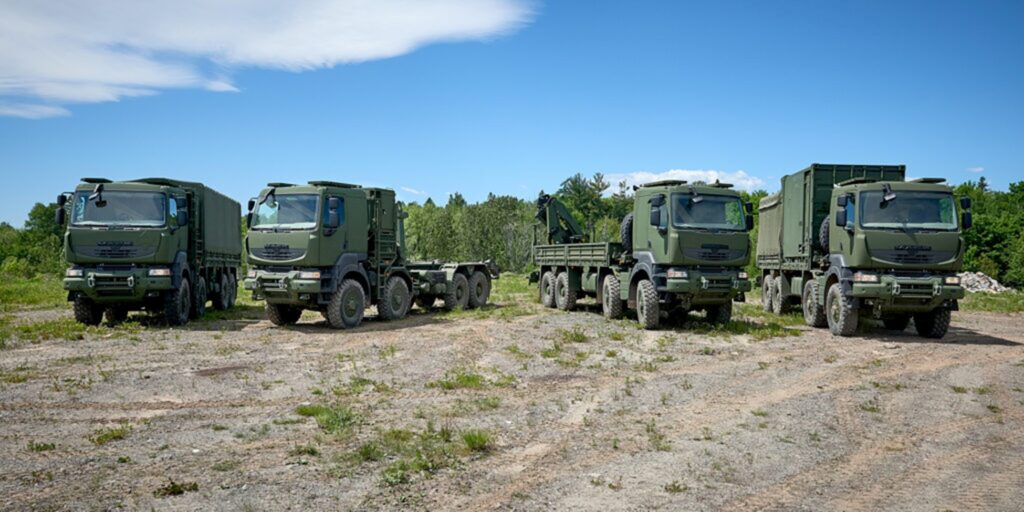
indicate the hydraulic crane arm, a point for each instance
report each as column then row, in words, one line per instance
column 561, row 227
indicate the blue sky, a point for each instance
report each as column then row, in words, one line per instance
column 513, row 101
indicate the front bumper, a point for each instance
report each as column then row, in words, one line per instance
column 908, row 294
column 705, row 287
column 116, row 286
column 283, row 287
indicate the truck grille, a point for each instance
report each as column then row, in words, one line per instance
column 113, row 251
column 705, row 253
column 918, row 257
column 278, row 252
column 111, row 285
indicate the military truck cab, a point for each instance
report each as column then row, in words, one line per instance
column 152, row 244
column 849, row 241
column 338, row 248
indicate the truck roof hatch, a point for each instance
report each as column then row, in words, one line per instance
column 856, row 181
column 96, row 180
column 337, row 184
column 928, row 180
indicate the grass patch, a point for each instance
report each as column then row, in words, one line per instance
column 958, row 389
column 574, row 335
column 505, row 312
column 656, row 438
column 357, row 385
column 488, row 403
column 413, row 454
column 40, row 447
column 106, row 435
column 871, row 406
column 175, row 489
column 59, row 328
column 675, row 487
column 552, row 352
column 332, row 419
column 459, row 378
column 1010, row 302
column 304, row 449
column 35, row 293
column 477, row 440
column 518, row 353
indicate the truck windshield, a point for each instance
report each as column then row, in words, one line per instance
column 711, row 212
column 287, row 211
column 145, row 209
column 909, row 210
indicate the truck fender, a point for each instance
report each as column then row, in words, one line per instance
column 644, row 266
column 350, row 263
column 179, row 268
column 838, row 271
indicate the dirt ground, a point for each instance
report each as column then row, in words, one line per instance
column 582, row 414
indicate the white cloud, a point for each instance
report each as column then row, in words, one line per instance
column 413, row 191
column 976, row 170
column 85, row 51
column 740, row 179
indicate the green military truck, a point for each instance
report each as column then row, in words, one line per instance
column 338, row 248
column 153, row 244
column 852, row 240
column 687, row 254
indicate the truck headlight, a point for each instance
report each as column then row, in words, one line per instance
column 309, row 275
column 251, row 274
column 675, row 273
column 954, row 280
column 159, row 272
column 864, row 277
column 73, row 272
column 743, row 275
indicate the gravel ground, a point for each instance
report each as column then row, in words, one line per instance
column 582, row 414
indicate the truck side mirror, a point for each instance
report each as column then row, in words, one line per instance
column 750, row 221
column 59, row 215
column 965, row 203
column 182, row 218
column 841, row 218
column 749, row 208
column 966, row 221
column 62, row 200
column 252, row 204
column 248, row 220
column 841, row 202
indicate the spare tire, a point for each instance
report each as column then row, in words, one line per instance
column 626, row 233
column 823, row 235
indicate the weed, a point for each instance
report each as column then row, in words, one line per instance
column 574, row 335
column 831, row 359
column 884, row 386
column 105, row 435
column 611, row 354
column 763, row 365
column 331, row 419
column 984, row 390
column 814, row 437
column 459, row 379
column 477, row 440
column 488, row 403
column 552, row 352
column 218, row 427
column 396, row 474
column 657, row 439
column 40, row 447
column 958, row 389
column 124, row 459
column 225, row 465
column 995, row 409
column 759, row 413
column 617, row 336
column 387, row 352
column 994, row 302
column 675, row 487
column 304, row 449
column 517, row 352
column 707, row 351
column 871, row 406
column 175, row 489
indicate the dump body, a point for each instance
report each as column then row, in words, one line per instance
column 131, row 244
column 310, row 244
column 891, row 247
column 685, row 246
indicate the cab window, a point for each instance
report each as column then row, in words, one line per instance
column 341, row 211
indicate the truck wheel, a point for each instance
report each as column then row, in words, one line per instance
column 87, row 312
column 479, row 289
column 283, row 314
column 547, row 289
column 814, row 312
column 626, row 234
column 199, row 299
column 425, row 302
column 778, row 299
column 220, row 301
column 766, row 293
column 178, row 304
column 720, row 314
column 611, row 304
column 842, row 317
column 565, row 298
column 896, row 322
column 933, row 324
column 233, row 293
column 647, row 309
column 823, row 234
column 347, row 305
column 457, row 295
column 394, row 305
column 115, row 315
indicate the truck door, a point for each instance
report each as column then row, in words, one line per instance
column 333, row 227
column 657, row 230
column 794, row 216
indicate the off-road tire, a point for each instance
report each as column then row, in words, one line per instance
column 199, row 299
column 394, row 304
column 87, row 312
column 720, row 314
column 457, row 295
column 347, row 306
column 222, row 299
column 425, row 302
column 896, row 322
column 283, row 314
column 814, row 311
column 626, row 234
column 115, row 315
column 565, row 296
column 823, row 235
column 766, row 293
column 778, row 299
column 232, row 290
column 839, row 310
column 178, row 304
column 479, row 289
column 648, row 311
column 611, row 305
column 933, row 324
column 547, row 289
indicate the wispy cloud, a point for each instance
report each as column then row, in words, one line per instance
column 740, row 179
column 87, row 51
column 413, row 191
column 976, row 170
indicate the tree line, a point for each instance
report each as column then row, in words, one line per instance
column 503, row 228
